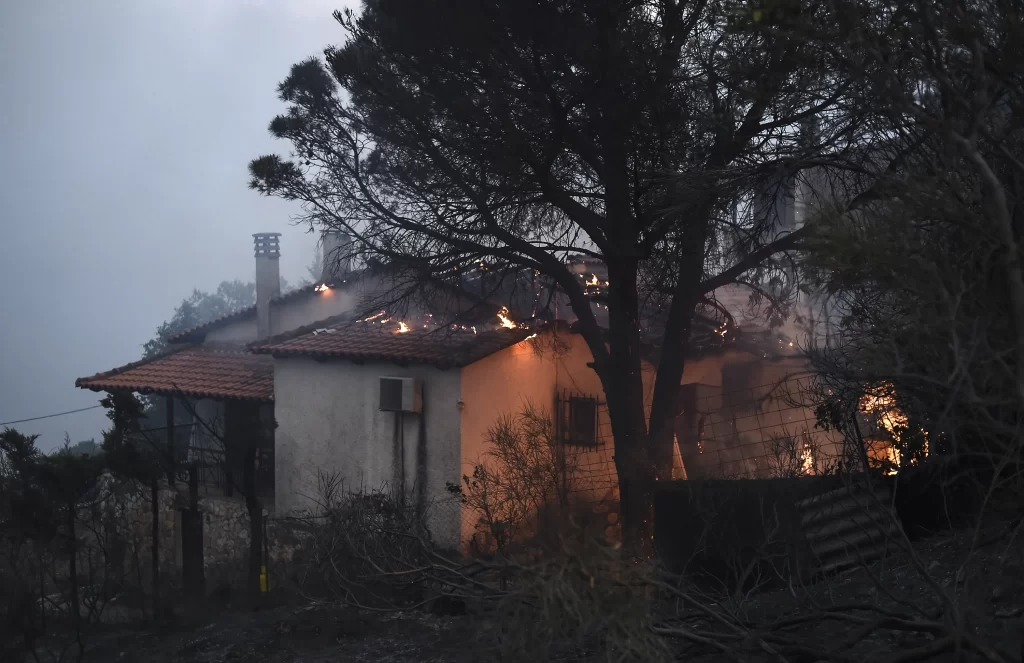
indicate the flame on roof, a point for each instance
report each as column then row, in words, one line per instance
column 506, row 322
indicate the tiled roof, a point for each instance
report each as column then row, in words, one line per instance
column 196, row 333
column 362, row 341
column 199, row 371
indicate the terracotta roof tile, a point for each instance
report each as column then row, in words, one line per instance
column 345, row 339
column 200, row 372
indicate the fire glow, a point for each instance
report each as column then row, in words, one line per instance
column 402, row 327
column 893, row 420
column 323, row 287
column 506, row 322
column 373, row 318
column 807, row 460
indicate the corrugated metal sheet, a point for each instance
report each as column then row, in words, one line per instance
column 848, row 526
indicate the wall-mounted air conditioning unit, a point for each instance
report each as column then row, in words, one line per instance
column 401, row 395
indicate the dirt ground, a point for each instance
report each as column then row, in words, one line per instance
column 289, row 634
column 989, row 590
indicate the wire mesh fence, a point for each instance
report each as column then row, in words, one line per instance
column 763, row 431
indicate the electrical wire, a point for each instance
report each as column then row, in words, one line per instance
column 49, row 416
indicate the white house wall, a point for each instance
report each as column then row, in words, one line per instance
column 308, row 308
column 329, row 421
column 288, row 314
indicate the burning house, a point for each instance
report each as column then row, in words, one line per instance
column 404, row 397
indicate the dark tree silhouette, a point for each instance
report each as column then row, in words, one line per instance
column 446, row 133
column 927, row 287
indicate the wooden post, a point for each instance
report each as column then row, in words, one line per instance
column 193, row 487
column 155, row 505
column 255, row 510
column 170, row 441
column 192, row 539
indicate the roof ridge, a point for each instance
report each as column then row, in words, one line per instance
column 371, row 342
column 223, row 347
column 329, row 321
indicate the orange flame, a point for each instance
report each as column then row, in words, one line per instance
column 593, row 280
column 807, row 460
column 373, row 317
column 893, row 420
column 506, row 322
column 323, row 287
column 402, row 327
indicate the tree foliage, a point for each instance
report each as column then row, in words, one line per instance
column 40, row 498
column 444, row 134
column 927, row 295
column 201, row 307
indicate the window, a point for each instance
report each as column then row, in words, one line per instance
column 578, row 420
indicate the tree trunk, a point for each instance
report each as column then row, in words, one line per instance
column 634, row 469
column 665, row 398
column 644, row 444
column 255, row 509
column 624, row 393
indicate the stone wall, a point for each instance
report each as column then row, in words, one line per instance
column 226, row 538
column 126, row 520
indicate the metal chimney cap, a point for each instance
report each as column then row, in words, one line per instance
column 267, row 244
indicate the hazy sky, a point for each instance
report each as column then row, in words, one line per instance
column 125, row 132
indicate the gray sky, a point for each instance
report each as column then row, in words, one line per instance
column 125, row 132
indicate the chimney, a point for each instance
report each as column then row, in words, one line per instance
column 337, row 259
column 268, row 278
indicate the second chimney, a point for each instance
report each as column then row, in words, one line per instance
column 267, row 247
column 337, row 258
